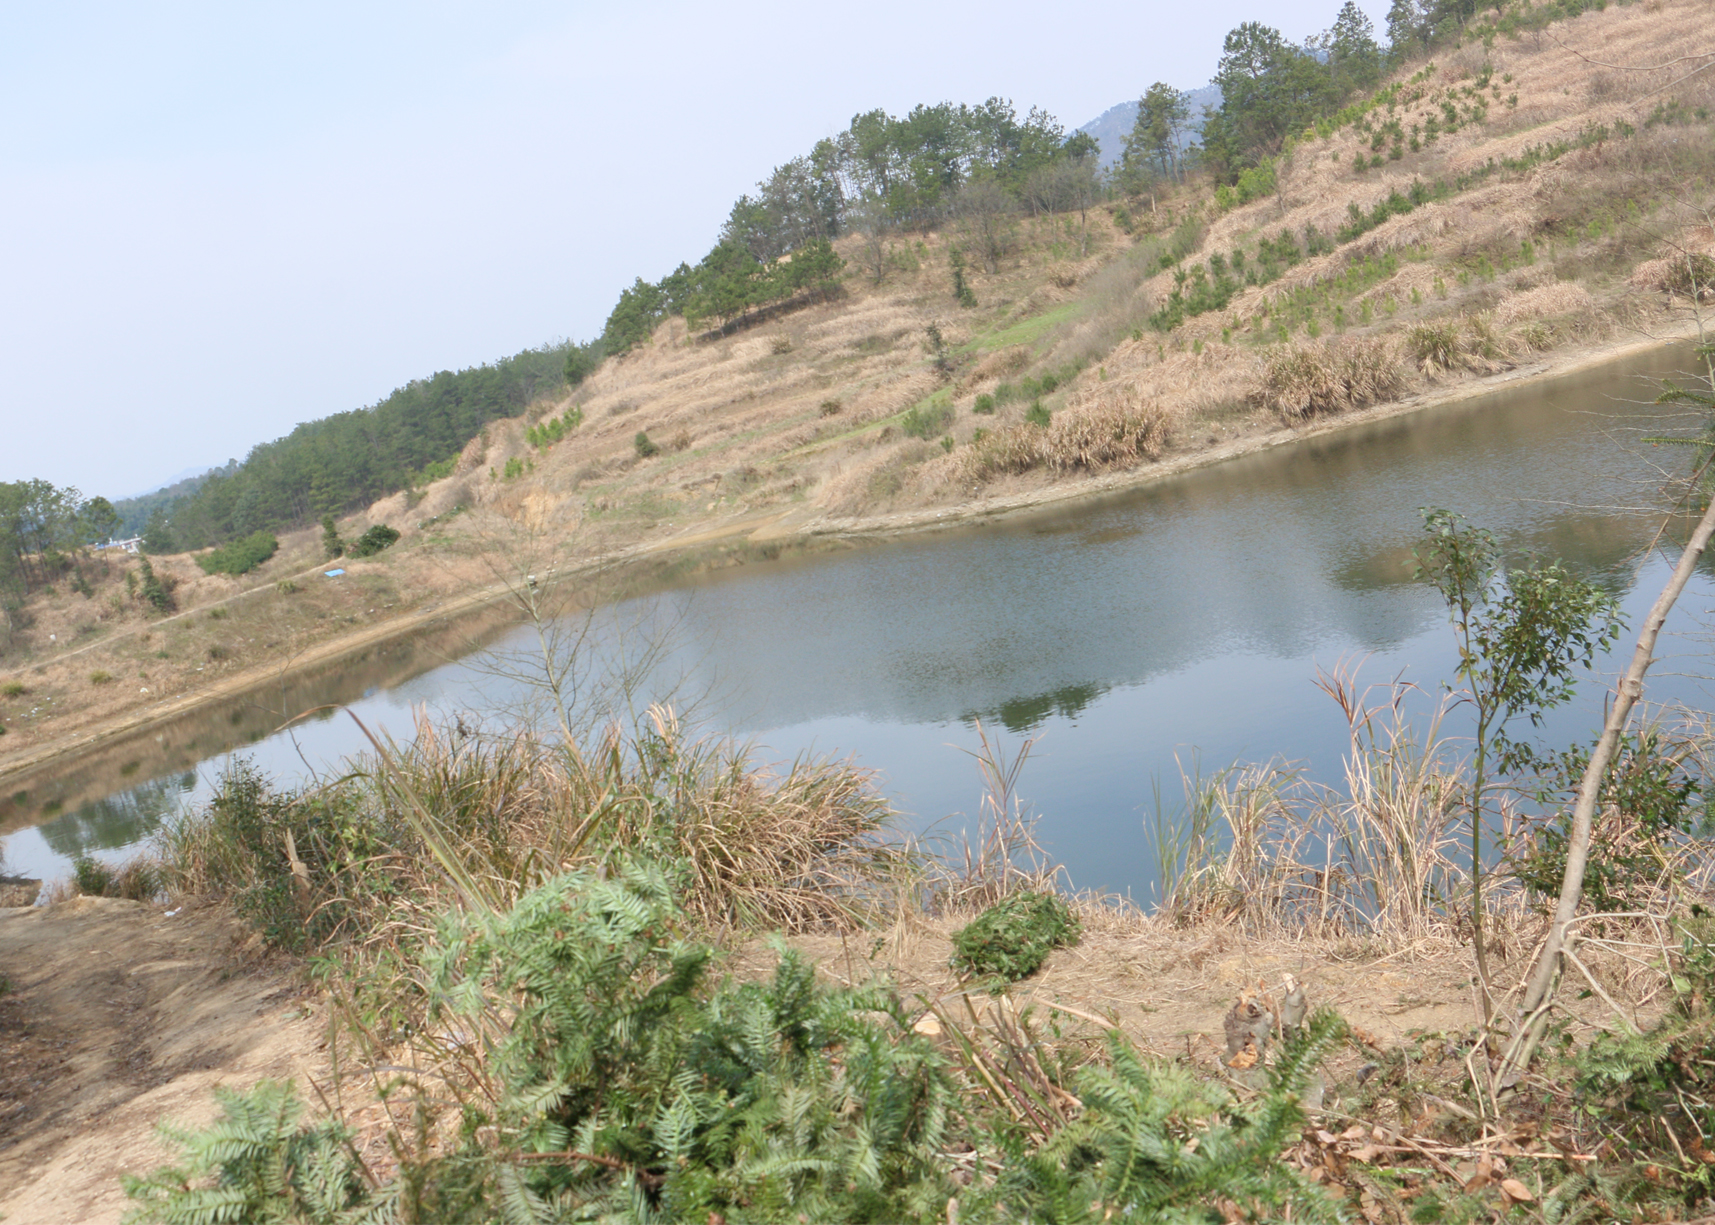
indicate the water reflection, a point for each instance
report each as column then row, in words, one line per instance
column 119, row 820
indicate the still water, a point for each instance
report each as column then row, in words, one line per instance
column 1180, row 623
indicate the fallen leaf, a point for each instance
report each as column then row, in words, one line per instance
column 927, row 1025
column 1246, row 1058
column 1325, row 1137
column 1367, row 1153
column 1357, row 1131
column 1516, row 1191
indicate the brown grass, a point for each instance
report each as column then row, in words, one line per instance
column 1329, row 378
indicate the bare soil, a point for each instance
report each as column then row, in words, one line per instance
column 115, row 1017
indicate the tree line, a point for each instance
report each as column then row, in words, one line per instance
column 345, row 462
column 883, row 174
column 1272, row 88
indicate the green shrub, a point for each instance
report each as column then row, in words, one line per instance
column 138, row 880
column 1011, row 939
column 984, row 404
column 374, row 541
column 643, row 446
column 13, row 689
column 926, row 420
column 100, row 677
column 1038, row 415
column 1126, row 1157
column 239, row 556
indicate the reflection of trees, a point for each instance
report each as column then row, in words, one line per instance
column 1026, row 714
column 119, row 820
column 1601, row 547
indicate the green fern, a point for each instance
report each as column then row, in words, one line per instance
column 1155, row 1144
column 257, row 1166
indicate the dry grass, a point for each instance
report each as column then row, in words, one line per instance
column 1329, row 378
column 1101, row 430
column 1445, row 346
column 1556, row 298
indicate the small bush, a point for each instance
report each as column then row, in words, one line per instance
column 217, row 614
column 217, row 652
column 374, row 541
column 137, row 881
column 645, row 449
column 1038, row 415
column 286, row 587
column 831, row 407
column 239, row 556
column 984, row 404
column 1011, row 939
column 100, row 677
column 257, row 1163
column 13, row 689
column 926, row 420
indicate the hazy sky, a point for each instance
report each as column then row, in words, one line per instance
column 223, row 219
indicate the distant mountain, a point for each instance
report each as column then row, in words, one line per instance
column 1113, row 125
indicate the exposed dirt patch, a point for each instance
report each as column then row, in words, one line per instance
column 117, row 1017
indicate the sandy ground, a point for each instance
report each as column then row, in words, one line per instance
column 116, row 1018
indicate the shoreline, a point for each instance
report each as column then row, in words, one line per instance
column 810, row 530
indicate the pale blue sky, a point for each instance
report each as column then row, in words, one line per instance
column 223, row 219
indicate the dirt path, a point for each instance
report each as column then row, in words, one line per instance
column 116, row 1016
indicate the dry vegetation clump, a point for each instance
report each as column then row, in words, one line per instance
column 1465, row 342
column 491, row 816
column 1555, row 298
column 1332, row 377
column 1689, row 274
column 1118, row 430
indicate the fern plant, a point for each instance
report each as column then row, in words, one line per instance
column 620, row 1087
column 1155, row 1144
column 258, row 1165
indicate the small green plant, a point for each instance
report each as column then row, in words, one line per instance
column 928, row 419
column 286, row 586
column 947, row 443
column 831, row 407
column 13, row 689
column 644, row 448
column 984, row 404
column 217, row 614
column 1038, row 414
column 513, row 469
column 332, row 545
column 258, row 1163
column 100, row 677
column 1011, row 939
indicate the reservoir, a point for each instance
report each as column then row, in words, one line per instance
column 1176, row 627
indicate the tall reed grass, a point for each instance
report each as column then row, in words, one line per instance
column 452, row 817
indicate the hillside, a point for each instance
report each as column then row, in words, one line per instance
column 1519, row 206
